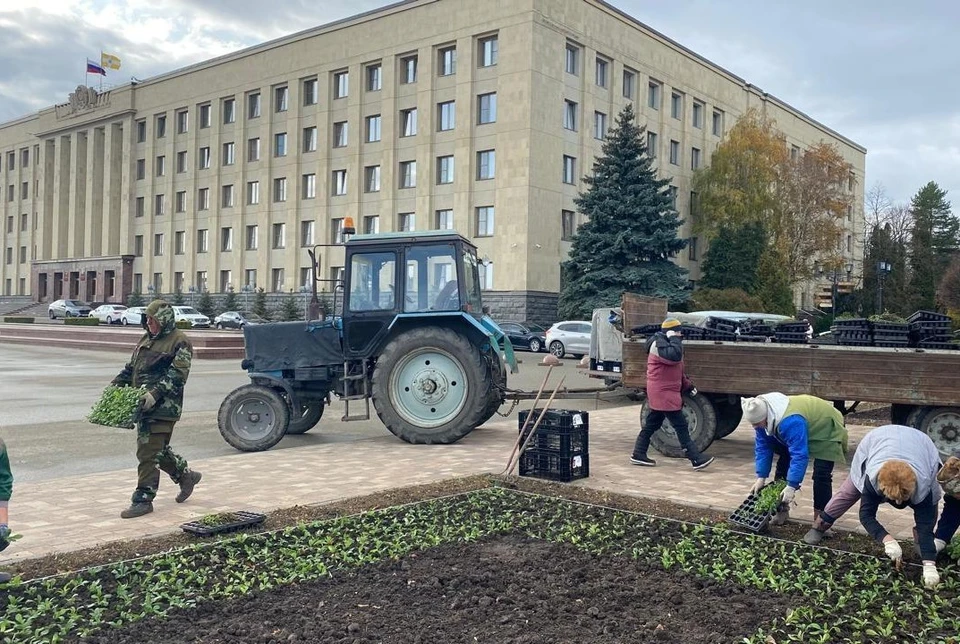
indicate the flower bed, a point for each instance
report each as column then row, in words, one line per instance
column 833, row 596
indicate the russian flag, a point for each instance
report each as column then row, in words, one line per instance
column 93, row 68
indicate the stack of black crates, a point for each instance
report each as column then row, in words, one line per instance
column 852, row 332
column 893, row 335
column 791, row 332
column 755, row 331
column 929, row 330
column 559, row 450
column 720, row 329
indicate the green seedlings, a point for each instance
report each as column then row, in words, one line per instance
column 117, row 407
column 768, row 500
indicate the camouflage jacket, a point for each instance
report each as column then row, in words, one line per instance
column 6, row 477
column 161, row 364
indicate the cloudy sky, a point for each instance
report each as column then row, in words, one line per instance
column 881, row 72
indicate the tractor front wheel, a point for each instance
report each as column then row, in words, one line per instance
column 431, row 385
column 253, row 418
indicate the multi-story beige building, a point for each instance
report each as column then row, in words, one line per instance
column 425, row 114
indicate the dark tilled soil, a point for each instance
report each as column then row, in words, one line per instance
column 509, row 590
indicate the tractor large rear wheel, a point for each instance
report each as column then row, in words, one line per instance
column 498, row 376
column 431, row 385
column 701, row 420
column 253, row 418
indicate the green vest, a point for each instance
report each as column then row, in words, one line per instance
column 826, row 435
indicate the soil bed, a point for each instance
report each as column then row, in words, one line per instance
column 505, row 590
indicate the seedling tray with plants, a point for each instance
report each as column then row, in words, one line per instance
column 212, row 524
column 758, row 508
column 118, row 407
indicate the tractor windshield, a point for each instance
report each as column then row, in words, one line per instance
column 471, row 276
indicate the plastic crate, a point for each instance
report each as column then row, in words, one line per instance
column 553, row 466
column 746, row 514
column 720, row 324
column 692, row 332
column 568, row 419
column 852, row 323
column 243, row 520
column 890, row 327
column 752, row 338
column 611, row 366
column 928, row 316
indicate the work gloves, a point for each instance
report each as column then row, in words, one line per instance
column 755, row 489
column 893, row 550
column 148, row 401
column 4, row 533
column 931, row 578
column 787, row 495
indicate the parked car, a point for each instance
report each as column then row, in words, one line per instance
column 236, row 319
column 109, row 313
column 525, row 335
column 67, row 309
column 196, row 319
column 569, row 336
column 133, row 315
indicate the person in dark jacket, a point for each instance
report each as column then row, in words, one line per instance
column 898, row 465
column 949, row 523
column 666, row 384
column 6, row 490
column 161, row 364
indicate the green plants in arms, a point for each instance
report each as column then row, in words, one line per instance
column 117, row 407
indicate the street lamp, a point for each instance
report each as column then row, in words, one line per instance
column 192, row 290
column 246, row 298
column 305, row 289
column 834, row 281
column 883, row 269
column 150, row 289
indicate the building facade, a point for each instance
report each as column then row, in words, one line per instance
column 426, row 114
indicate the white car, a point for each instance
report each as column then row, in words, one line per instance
column 67, row 309
column 196, row 319
column 570, row 336
column 133, row 316
column 109, row 313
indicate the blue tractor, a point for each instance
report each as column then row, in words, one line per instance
column 408, row 332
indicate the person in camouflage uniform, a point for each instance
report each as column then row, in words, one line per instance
column 6, row 489
column 161, row 364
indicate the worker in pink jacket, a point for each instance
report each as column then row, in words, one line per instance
column 666, row 383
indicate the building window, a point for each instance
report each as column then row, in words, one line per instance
column 672, row 192
column 160, row 165
column 203, row 199
column 201, row 281
column 629, row 84
column 486, row 276
column 445, row 169
column 570, row 115
column 572, row 61
column 277, row 280
column 568, row 229
column 446, row 116
column 488, row 51
column 407, row 222
column 599, row 125
column 698, row 115
column 408, row 70
column 676, row 105
column 310, row 139
column 158, row 245
column 23, row 256
column 250, row 277
column 253, row 192
column 180, row 201
column 203, row 160
column 280, row 235
column 408, row 122
column 371, row 224
column 652, row 145
column 253, row 149
column 341, row 84
column 230, row 109
column 653, row 95
column 692, row 249
column 339, row 183
column 226, row 197
column 306, row 276
column 226, row 281
column 447, row 61
column 408, row 174
column 569, row 169
column 229, row 154
column 280, row 144
column 371, row 178
column 141, row 171
column 10, row 224
column 849, row 243
column 141, row 132
column 603, row 68
column 161, row 126
column 794, row 152
column 24, row 190
column 486, row 164
column 203, row 240
column 444, row 220
column 694, row 158
column 280, row 189
column 179, row 242
column 183, row 121
column 340, row 134
column 137, row 282
column 309, row 186
column 485, row 221
column 374, row 77
column 717, row 123
column 24, row 222
column 675, row 152
column 138, row 245
column 336, row 230
column 226, row 239
column 181, row 162
column 311, row 92
column 280, row 99
column 253, row 234
column 204, row 116
column 158, row 283
column 159, row 205
column 372, row 128
column 306, row 233
column 253, row 106
column 487, row 108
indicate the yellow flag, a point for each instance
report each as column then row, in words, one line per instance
column 109, row 61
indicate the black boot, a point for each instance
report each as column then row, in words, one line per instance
column 137, row 509
column 188, row 480
column 5, row 577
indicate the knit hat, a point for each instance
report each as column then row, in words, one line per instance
column 670, row 323
column 754, row 410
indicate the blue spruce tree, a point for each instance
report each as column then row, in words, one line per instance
column 630, row 234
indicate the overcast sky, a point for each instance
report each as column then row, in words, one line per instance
column 881, row 72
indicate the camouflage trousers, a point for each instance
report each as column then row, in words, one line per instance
column 154, row 454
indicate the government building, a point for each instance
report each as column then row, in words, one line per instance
column 479, row 117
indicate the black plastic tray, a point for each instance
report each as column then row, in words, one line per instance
column 747, row 517
column 244, row 520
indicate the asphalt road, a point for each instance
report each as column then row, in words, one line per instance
column 47, row 393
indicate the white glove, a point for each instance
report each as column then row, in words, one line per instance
column 758, row 485
column 940, row 544
column 931, row 578
column 148, row 401
column 788, row 493
column 671, row 333
column 893, row 550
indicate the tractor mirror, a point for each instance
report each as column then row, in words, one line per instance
column 348, row 227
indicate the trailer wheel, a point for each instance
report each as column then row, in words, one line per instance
column 900, row 414
column 942, row 425
column 253, row 418
column 702, row 420
column 431, row 385
column 310, row 413
column 915, row 417
column 729, row 416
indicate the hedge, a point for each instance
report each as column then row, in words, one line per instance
column 18, row 319
column 184, row 324
column 82, row 321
